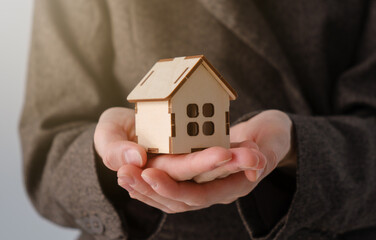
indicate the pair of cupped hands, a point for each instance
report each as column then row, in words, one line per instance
column 186, row 182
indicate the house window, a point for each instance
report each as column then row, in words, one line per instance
column 208, row 110
column 192, row 110
column 208, row 128
column 192, row 129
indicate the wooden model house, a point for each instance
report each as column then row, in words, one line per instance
column 182, row 106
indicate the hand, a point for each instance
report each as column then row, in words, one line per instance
column 211, row 163
column 113, row 141
column 270, row 130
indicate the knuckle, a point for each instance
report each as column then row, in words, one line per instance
column 166, row 210
column 109, row 111
column 197, row 202
column 107, row 159
column 146, row 191
column 227, row 201
column 96, row 135
column 178, row 208
column 133, row 195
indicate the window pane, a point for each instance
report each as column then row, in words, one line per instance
column 208, row 128
column 192, row 129
column 192, row 110
column 208, row 110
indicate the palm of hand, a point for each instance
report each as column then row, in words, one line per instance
column 163, row 180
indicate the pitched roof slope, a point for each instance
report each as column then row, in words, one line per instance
column 168, row 75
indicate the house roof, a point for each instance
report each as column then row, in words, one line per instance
column 168, row 75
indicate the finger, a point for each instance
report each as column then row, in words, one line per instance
column 211, row 175
column 239, row 133
column 115, row 124
column 243, row 159
column 257, row 175
column 187, row 166
column 247, row 144
column 124, row 152
column 199, row 195
column 112, row 138
column 271, row 160
column 131, row 176
column 273, row 134
column 253, row 159
column 140, row 197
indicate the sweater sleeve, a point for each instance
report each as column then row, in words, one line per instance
column 70, row 83
column 336, row 181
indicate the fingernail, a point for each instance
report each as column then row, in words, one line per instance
column 255, row 166
column 257, row 157
column 259, row 173
column 126, row 179
column 222, row 162
column 151, row 182
column 132, row 156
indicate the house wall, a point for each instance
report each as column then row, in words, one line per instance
column 200, row 88
column 153, row 125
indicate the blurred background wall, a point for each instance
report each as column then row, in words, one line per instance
column 18, row 220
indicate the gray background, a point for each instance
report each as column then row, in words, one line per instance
column 18, row 220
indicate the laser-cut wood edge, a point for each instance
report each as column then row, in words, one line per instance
column 153, row 150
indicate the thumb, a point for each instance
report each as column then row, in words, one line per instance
column 112, row 139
